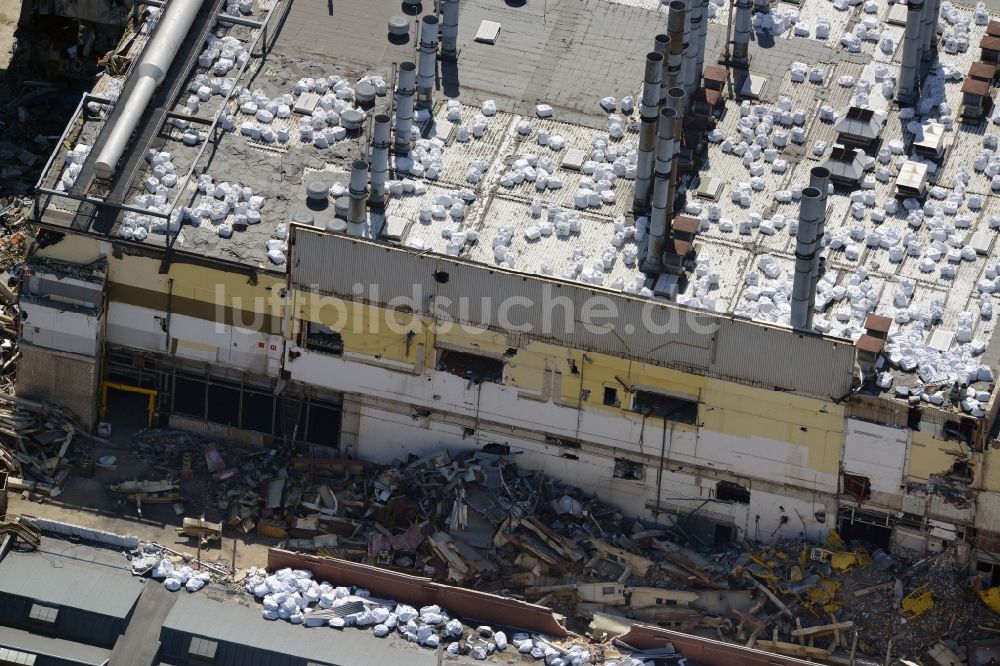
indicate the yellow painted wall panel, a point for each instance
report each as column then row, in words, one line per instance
column 929, row 456
column 73, row 250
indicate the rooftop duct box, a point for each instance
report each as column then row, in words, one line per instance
column 488, row 32
column 395, row 227
column 306, row 103
column 897, row 14
column 574, row 159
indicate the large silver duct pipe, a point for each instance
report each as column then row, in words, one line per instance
column 741, row 33
column 173, row 27
column 810, row 213
column 702, row 39
column 675, row 25
column 696, row 17
column 661, row 45
column 819, row 177
column 356, row 214
column 449, row 30
column 662, row 209
column 932, row 10
column 428, row 60
column 906, row 88
column 380, row 160
column 405, row 91
column 676, row 101
column 647, row 133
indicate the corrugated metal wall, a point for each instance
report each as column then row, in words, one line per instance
column 72, row 624
column 175, row 645
column 702, row 342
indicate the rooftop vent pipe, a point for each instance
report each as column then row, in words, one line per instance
column 449, row 30
column 906, row 89
column 659, row 218
column 647, row 132
column 932, row 10
column 692, row 47
column 356, row 214
column 819, row 177
column 678, row 37
column 661, row 45
column 404, row 107
column 741, row 33
column 380, row 160
column 173, row 27
column 676, row 100
column 428, row 60
column 810, row 214
column 702, row 39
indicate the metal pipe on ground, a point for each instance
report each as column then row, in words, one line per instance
column 405, row 91
column 661, row 45
column 907, row 86
column 819, row 177
column 380, row 160
column 151, row 70
column 810, row 213
column 741, row 33
column 428, row 60
column 449, row 30
column 675, row 26
column 647, row 133
column 659, row 218
column 677, row 101
column 357, row 214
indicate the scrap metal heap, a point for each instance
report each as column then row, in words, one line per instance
column 478, row 520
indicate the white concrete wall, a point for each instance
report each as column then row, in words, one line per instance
column 877, row 452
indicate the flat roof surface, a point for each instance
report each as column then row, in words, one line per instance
column 56, row 648
column 78, row 576
column 234, row 623
column 570, row 55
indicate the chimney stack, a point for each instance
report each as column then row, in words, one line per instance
column 741, row 34
column 661, row 45
column 803, row 297
column 659, row 219
column 676, row 100
column 357, row 214
column 428, row 61
column 380, row 160
column 695, row 14
column 405, row 90
column 647, row 133
column 907, row 87
column 678, row 36
column 819, row 177
column 932, row 10
column 449, row 30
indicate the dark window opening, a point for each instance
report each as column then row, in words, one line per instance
column 632, row 471
column 665, row 407
column 913, row 418
column 961, row 431
column 468, row 432
column 570, row 456
column 258, row 412
column 611, row 396
column 224, row 405
column 324, row 424
column 471, row 366
column 607, row 589
column 727, row 491
column 872, row 528
column 565, row 443
column 323, row 339
column 497, row 449
column 665, row 602
column 961, row 469
column 441, row 277
column 189, row 397
column 723, row 535
column 989, row 572
column 858, row 487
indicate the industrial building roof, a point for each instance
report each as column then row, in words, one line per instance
column 66, row 652
column 237, row 624
column 62, row 573
column 570, row 55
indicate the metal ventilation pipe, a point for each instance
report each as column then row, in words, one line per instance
column 675, row 25
column 404, row 107
column 449, row 30
column 741, row 33
column 803, row 298
column 677, row 101
column 702, row 39
column 428, row 60
column 906, row 88
column 659, row 218
column 647, row 133
column 173, row 27
column 819, row 177
column 356, row 214
column 932, row 10
column 661, row 45
column 695, row 19
column 380, row 160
